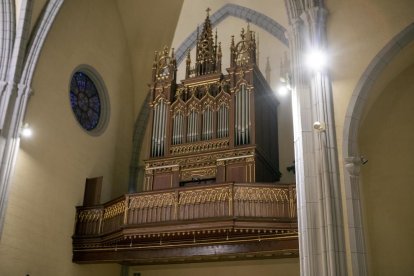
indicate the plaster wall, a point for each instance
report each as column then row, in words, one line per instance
column 286, row 267
column 52, row 166
column 386, row 137
column 357, row 31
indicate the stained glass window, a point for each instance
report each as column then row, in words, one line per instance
column 85, row 101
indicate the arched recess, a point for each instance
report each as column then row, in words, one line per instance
column 361, row 99
column 262, row 21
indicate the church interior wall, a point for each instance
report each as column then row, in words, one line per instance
column 386, row 135
column 51, row 168
column 286, row 267
column 360, row 30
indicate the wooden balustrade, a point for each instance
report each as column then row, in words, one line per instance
column 265, row 201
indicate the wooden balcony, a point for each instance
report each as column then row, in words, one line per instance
column 190, row 224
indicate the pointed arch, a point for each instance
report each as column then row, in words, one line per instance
column 352, row 160
column 259, row 19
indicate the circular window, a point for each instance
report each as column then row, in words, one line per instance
column 88, row 101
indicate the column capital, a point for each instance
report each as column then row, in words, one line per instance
column 353, row 165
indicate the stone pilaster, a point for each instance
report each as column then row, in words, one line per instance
column 354, row 211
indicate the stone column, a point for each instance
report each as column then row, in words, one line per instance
column 321, row 238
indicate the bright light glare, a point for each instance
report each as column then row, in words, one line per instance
column 282, row 90
column 27, row 131
column 316, row 60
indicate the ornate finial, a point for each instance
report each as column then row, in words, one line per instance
column 206, row 49
column 242, row 33
column 166, row 50
column 198, row 31
column 179, row 92
column 258, row 50
column 268, row 70
column 208, row 12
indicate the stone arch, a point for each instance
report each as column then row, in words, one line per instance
column 257, row 18
column 350, row 151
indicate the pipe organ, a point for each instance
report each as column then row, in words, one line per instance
column 212, row 127
column 215, row 129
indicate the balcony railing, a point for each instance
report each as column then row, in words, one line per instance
column 228, row 210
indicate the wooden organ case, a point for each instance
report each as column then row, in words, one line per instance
column 213, row 127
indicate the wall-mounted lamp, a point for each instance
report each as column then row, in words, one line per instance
column 316, row 60
column 26, row 131
column 319, row 126
column 363, row 160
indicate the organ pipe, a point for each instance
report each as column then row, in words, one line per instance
column 159, row 130
column 207, row 132
column 242, row 117
column 177, row 130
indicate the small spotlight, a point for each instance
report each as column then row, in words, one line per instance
column 26, row 131
column 316, row 60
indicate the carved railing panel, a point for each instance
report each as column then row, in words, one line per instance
column 150, row 208
column 262, row 202
column 204, row 203
column 113, row 217
column 88, row 221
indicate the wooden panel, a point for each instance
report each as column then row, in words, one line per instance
column 236, row 173
column 92, row 195
column 162, row 181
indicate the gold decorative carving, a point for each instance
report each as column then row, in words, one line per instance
column 250, row 159
column 204, row 195
column 203, row 173
column 262, row 194
column 90, row 215
column 202, row 160
column 220, row 163
column 200, row 146
column 153, row 200
column 114, row 210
